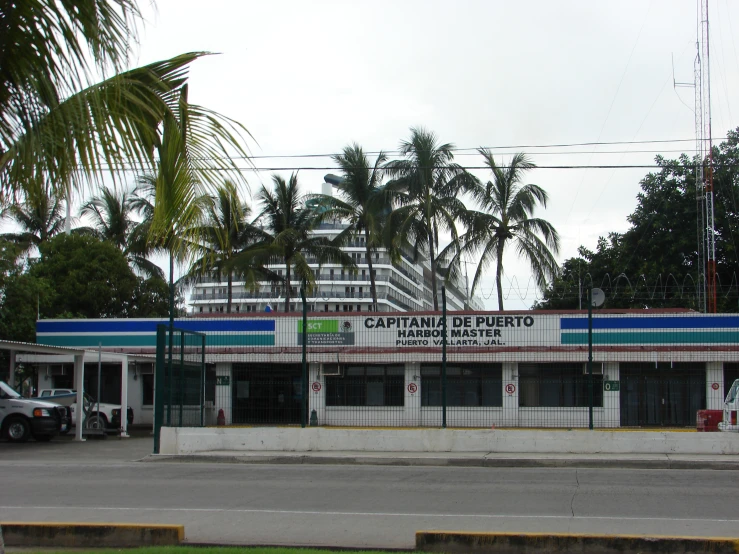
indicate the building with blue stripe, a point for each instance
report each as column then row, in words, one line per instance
column 510, row 369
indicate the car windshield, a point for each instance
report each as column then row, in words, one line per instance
column 732, row 392
column 7, row 392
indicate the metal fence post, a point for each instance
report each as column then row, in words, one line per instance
column 443, row 357
column 182, row 374
column 304, row 379
column 159, row 384
column 590, row 358
column 202, row 384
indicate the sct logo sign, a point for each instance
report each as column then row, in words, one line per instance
column 326, row 332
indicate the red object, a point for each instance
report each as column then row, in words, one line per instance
column 221, row 420
column 733, row 417
column 412, row 388
column 707, row 420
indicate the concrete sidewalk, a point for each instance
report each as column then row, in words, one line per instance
column 460, row 459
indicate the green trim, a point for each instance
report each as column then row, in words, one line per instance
column 660, row 337
column 92, row 341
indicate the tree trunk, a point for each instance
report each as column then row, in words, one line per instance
column 433, row 271
column 499, row 274
column 230, row 292
column 373, row 286
column 171, row 291
column 288, row 288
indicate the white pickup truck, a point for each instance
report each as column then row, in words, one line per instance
column 731, row 407
column 102, row 416
column 22, row 418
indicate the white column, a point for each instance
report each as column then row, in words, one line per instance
column 412, row 415
column 79, row 380
column 124, row 396
column 224, row 393
column 11, row 376
column 611, row 399
column 316, row 399
column 510, row 399
column 715, row 375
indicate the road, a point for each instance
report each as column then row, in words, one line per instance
column 359, row 506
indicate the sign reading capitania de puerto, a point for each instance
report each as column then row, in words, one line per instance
column 481, row 330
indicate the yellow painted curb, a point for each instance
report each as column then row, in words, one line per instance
column 535, row 543
column 89, row 535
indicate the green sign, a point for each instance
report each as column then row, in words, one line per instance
column 327, row 332
column 223, row 380
column 610, row 386
column 320, row 326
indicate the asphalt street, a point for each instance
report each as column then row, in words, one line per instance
column 360, row 506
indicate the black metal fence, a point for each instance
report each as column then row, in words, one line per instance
column 181, row 382
column 389, row 370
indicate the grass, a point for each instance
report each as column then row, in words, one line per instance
column 203, row 550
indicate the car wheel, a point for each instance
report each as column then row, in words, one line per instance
column 97, row 422
column 43, row 438
column 18, row 430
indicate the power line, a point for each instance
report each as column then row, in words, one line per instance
column 473, row 150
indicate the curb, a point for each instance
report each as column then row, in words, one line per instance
column 90, row 535
column 543, row 543
column 593, row 463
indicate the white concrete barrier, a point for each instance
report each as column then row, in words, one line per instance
column 193, row 440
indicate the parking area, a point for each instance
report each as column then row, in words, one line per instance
column 111, row 449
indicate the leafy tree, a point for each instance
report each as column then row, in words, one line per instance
column 89, row 278
column 426, row 185
column 655, row 262
column 364, row 203
column 111, row 213
column 39, row 217
column 506, row 218
column 284, row 231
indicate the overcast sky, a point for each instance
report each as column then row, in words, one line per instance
column 311, row 77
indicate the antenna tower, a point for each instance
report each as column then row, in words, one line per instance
column 704, row 177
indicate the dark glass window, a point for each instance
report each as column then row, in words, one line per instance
column 366, row 385
column 467, row 385
column 558, row 385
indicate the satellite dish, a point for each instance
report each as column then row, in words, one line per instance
column 598, row 297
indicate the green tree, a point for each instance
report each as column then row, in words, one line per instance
column 225, row 237
column 426, row 185
column 90, row 278
column 365, row 203
column 284, row 231
column 57, row 126
column 506, row 218
column 195, row 146
column 111, row 213
column 655, row 262
column 39, row 216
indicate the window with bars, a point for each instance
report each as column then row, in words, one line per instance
column 467, row 385
column 367, row 385
column 558, row 385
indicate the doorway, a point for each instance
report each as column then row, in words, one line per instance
column 668, row 395
column 267, row 394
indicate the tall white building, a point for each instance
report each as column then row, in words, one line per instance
column 404, row 286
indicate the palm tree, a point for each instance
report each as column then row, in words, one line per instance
column 56, row 125
column 195, row 147
column 284, row 230
column 506, row 217
column 111, row 213
column 427, row 185
column 365, row 203
column 227, row 233
column 40, row 217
